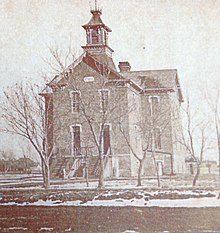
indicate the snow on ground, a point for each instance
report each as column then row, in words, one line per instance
column 188, row 203
column 177, row 203
column 23, row 181
column 117, row 193
column 46, row 229
column 17, row 228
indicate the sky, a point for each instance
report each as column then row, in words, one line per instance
column 150, row 34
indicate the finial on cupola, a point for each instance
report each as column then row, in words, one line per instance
column 96, row 8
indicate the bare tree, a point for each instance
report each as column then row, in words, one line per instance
column 141, row 158
column 8, row 158
column 214, row 104
column 26, row 153
column 195, row 139
column 23, row 111
column 150, row 126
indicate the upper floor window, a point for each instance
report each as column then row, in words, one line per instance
column 154, row 105
column 75, row 100
column 157, row 137
column 104, row 94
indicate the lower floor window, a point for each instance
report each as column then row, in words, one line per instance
column 106, row 140
column 76, row 140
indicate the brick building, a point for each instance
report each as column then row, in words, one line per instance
column 92, row 108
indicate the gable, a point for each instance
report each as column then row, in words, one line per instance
column 101, row 68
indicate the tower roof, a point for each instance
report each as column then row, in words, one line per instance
column 96, row 20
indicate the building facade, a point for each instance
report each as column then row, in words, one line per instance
column 92, row 108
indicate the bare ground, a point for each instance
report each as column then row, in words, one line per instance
column 108, row 219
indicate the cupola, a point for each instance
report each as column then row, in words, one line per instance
column 97, row 34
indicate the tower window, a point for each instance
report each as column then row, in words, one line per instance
column 106, row 37
column 88, row 37
column 95, row 36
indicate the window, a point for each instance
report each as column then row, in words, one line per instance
column 76, row 140
column 95, row 36
column 157, row 137
column 191, row 169
column 160, row 167
column 75, row 100
column 88, row 37
column 104, row 100
column 154, row 105
column 106, row 140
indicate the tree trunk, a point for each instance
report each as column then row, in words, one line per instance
column 139, row 172
column 196, row 175
column 43, row 171
column 154, row 159
column 156, row 168
column 47, row 176
column 25, row 164
column 171, row 165
column 87, row 172
column 101, row 175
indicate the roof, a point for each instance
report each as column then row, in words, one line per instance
column 104, row 58
column 156, row 80
column 101, row 66
column 59, row 78
column 190, row 159
column 146, row 81
column 153, row 78
column 96, row 21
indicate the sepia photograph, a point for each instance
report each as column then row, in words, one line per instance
column 110, row 116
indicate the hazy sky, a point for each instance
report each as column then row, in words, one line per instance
column 150, row 34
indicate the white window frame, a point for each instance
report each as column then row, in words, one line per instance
column 150, row 101
column 158, row 128
column 110, row 129
column 72, row 101
column 100, row 95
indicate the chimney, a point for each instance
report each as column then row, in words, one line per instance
column 124, row 66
